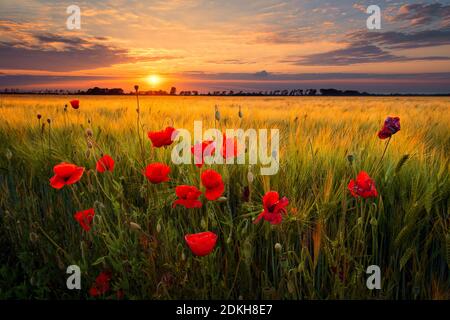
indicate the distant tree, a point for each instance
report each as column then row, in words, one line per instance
column 173, row 91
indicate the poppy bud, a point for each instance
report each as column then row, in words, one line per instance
column 183, row 256
column 89, row 132
column 33, row 237
column 278, row 247
column 203, row 224
column 240, row 113
column 250, row 177
column 158, row 227
column 350, row 158
column 49, row 120
column 39, row 116
column 8, row 154
column 241, row 298
column 135, row 226
column 89, row 145
column 87, row 154
column 217, row 115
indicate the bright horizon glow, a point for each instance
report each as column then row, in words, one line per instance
column 153, row 80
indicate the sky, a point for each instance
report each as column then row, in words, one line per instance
column 226, row 45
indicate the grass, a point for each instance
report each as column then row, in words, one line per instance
column 328, row 238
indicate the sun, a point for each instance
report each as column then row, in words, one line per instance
column 153, row 80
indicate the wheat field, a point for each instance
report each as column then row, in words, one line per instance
column 322, row 248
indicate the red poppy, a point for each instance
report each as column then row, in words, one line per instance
column 391, row 126
column 157, row 172
column 206, row 149
column 75, row 103
column 187, row 197
column 105, row 163
column 161, row 138
column 101, row 284
column 85, row 218
column 364, row 186
column 201, row 244
column 65, row 174
column 213, row 184
column 274, row 208
column 232, row 142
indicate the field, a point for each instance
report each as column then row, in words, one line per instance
column 320, row 250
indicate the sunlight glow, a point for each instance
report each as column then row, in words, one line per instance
column 153, row 80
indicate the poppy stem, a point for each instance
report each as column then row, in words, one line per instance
column 384, row 152
column 138, row 124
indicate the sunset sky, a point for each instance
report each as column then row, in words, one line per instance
column 222, row 45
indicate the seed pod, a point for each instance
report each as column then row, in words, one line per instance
column 39, row 116
column 240, row 113
column 135, row 226
column 250, row 177
column 8, row 154
column 34, row 237
column 350, row 158
column 136, row 87
column 217, row 114
column 49, row 120
column 278, row 247
column 89, row 132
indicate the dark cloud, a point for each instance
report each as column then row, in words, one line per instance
column 265, row 76
column 58, row 52
column 8, row 81
column 355, row 53
column 54, row 38
column 420, row 14
column 400, row 40
column 13, row 56
column 230, row 61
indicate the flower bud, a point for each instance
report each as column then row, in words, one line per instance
column 135, row 226
column 278, row 247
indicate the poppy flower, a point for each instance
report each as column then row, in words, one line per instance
column 65, row 174
column 201, row 244
column 75, row 103
column 105, row 163
column 161, row 138
column 363, row 186
column 213, row 183
column 232, row 153
column 274, row 208
column 157, row 172
column 390, row 127
column 85, row 218
column 101, row 284
column 187, row 197
column 206, row 149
